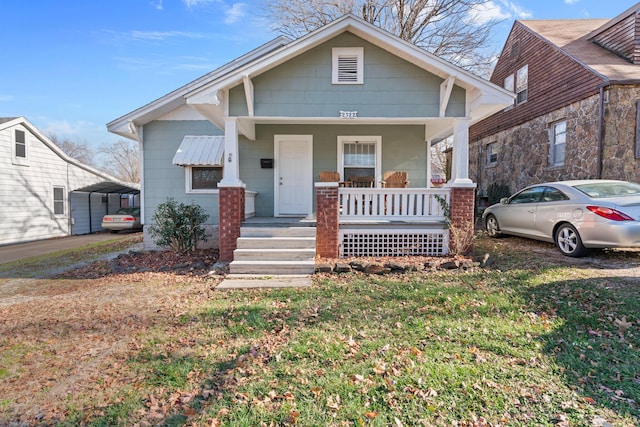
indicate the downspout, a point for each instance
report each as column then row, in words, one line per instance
column 90, row 216
column 600, row 164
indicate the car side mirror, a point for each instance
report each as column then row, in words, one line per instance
column 504, row 200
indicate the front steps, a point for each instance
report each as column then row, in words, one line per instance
column 274, row 251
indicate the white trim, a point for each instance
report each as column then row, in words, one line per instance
column 64, row 201
column 308, row 179
column 340, row 53
column 188, row 181
column 15, row 159
column 377, row 140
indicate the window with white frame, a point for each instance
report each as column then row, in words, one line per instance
column 347, row 65
column 20, row 149
column 58, row 200
column 522, row 84
column 359, row 157
column 558, row 143
column 203, row 179
column 509, row 84
column 492, row 153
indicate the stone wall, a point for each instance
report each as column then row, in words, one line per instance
column 523, row 156
column 619, row 161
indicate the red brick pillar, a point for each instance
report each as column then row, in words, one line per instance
column 231, row 214
column 327, row 219
column 462, row 219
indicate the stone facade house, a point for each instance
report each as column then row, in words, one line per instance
column 248, row 143
column 576, row 113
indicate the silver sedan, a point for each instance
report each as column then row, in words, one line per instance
column 575, row 215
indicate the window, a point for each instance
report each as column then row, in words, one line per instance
column 492, row 153
column 509, row 84
column 348, row 65
column 558, row 142
column 58, row 200
column 19, row 147
column 531, row 195
column 522, row 84
column 203, row 179
column 359, row 156
column 553, row 195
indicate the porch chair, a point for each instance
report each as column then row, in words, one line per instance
column 395, row 179
column 361, row 181
column 326, row 176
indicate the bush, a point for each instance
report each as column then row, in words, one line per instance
column 178, row 226
column 496, row 192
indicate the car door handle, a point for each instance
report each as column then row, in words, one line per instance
column 531, row 210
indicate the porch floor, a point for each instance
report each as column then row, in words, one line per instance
column 310, row 221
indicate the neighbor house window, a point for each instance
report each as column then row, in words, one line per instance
column 203, row 179
column 58, row 200
column 492, row 153
column 348, row 65
column 20, row 153
column 522, row 84
column 558, row 142
column 359, row 157
column 509, row 84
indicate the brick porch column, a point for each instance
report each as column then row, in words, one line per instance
column 231, row 214
column 462, row 218
column 327, row 219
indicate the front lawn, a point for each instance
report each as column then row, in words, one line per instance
column 530, row 340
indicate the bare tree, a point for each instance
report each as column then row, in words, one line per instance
column 78, row 150
column 122, row 160
column 455, row 30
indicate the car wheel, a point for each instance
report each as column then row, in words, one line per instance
column 568, row 241
column 492, row 227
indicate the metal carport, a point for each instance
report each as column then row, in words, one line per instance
column 90, row 203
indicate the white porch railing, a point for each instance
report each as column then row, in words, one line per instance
column 391, row 204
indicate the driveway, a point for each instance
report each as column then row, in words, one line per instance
column 26, row 250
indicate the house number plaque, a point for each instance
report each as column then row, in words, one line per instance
column 348, row 114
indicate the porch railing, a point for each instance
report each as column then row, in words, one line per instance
column 399, row 204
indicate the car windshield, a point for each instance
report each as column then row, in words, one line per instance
column 603, row 190
column 128, row 211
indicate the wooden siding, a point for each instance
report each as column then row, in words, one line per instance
column 302, row 87
column 555, row 80
column 621, row 38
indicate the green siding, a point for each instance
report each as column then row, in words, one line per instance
column 302, row 87
column 162, row 179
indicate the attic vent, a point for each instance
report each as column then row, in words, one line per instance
column 348, row 65
column 515, row 50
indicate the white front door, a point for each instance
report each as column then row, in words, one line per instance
column 293, row 175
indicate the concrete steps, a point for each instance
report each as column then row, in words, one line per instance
column 275, row 251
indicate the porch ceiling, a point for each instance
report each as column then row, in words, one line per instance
column 436, row 128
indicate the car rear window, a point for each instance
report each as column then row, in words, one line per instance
column 603, row 190
column 128, row 211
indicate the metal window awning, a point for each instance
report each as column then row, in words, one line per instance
column 201, row 150
column 108, row 187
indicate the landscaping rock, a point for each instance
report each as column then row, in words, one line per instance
column 324, row 268
column 374, row 268
column 342, row 267
column 450, row 265
column 358, row 265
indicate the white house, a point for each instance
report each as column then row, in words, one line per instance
column 46, row 193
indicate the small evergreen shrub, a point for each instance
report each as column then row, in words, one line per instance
column 178, row 225
column 496, row 192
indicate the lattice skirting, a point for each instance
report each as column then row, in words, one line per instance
column 381, row 243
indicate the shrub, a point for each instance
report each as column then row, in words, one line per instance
column 178, row 226
column 460, row 237
column 496, row 192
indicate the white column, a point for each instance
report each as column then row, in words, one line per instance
column 231, row 170
column 460, row 157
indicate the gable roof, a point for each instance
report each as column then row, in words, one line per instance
column 487, row 98
column 109, row 181
column 574, row 38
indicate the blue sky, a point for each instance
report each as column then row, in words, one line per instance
column 71, row 66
